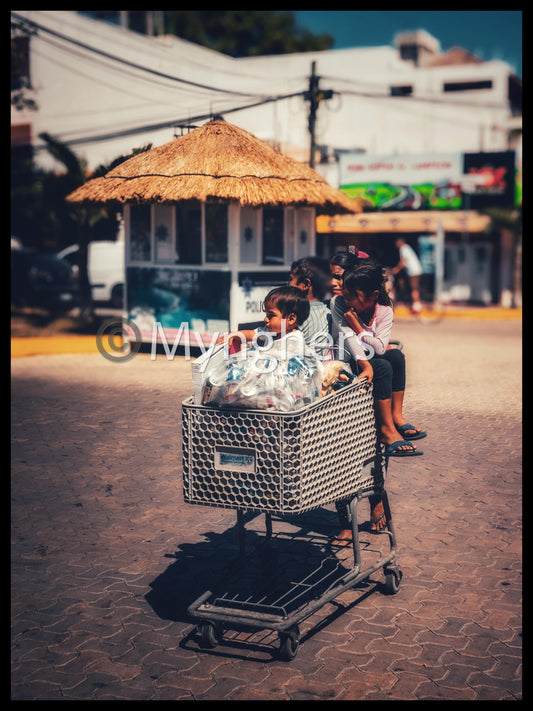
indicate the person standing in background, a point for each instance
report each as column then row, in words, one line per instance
column 411, row 264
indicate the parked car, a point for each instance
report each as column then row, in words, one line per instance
column 42, row 280
column 106, row 266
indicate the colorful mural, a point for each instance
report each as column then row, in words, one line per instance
column 440, row 181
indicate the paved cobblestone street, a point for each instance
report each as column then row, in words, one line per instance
column 106, row 556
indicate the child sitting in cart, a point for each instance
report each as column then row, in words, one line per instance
column 286, row 309
column 363, row 313
column 311, row 275
column 278, row 371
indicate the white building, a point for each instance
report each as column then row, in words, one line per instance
column 105, row 90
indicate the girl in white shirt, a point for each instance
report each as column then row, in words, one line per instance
column 364, row 315
column 362, row 319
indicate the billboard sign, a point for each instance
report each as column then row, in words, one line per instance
column 433, row 181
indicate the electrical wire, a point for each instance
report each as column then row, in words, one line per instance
column 153, row 72
column 107, row 135
column 361, row 93
column 163, row 124
column 126, row 72
column 371, row 92
column 433, row 99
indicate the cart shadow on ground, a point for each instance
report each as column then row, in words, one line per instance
column 300, row 562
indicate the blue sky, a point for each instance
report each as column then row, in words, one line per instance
column 489, row 34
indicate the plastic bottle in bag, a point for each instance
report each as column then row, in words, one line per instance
column 303, row 379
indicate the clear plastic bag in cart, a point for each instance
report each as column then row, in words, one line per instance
column 222, row 377
column 252, row 379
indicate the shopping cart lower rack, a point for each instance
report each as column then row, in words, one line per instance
column 284, row 465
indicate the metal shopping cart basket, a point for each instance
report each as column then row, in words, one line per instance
column 283, row 465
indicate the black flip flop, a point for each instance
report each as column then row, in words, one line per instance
column 403, row 429
column 392, row 450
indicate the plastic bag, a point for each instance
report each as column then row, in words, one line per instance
column 221, row 379
column 253, row 379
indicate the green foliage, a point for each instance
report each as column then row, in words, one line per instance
column 503, row 218
column 41, row 217
column 20, row 81
column 105, row 168
column 244, row 33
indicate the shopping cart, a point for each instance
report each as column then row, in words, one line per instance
column 285, row 465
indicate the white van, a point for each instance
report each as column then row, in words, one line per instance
column 106, row 270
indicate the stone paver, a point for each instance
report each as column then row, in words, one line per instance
column 106, row 557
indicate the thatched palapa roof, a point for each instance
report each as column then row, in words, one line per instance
column 217, row 160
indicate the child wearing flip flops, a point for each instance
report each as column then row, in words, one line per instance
column 363, row 314
column 364, row 311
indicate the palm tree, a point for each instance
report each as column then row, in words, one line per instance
column 85, row 218
column 74, row 176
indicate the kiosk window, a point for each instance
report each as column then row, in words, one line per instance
column 188, row 234
column 140, row 242
column 273, row 252
column 216, row 232
column 165, row 251
column 249, row 222
column 304, row 233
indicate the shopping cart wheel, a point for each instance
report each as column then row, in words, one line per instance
column 393, row 578
column 211, row 633
column 289, row 641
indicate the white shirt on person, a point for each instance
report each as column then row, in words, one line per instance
column 316, row 327
column 376, row 336
column 412, row 263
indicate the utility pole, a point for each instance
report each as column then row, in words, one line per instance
column 314, row 95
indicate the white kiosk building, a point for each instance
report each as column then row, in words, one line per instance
column 213, row 220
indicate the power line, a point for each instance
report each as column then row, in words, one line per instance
column 94, row 57
column 427, row 99
column 314, row 95
column 34, row 25
column 433, row 99
column 166, row 124
column 360, row 93
column 71, row 51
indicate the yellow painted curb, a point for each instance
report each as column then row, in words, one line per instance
column 43, row 345
column 46, row 345
column 466, row 313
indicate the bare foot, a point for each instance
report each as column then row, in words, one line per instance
column 377, row 516
column 345, row 537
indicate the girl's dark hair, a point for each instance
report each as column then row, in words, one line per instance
column 368, row 278
column 316, row 270
column 347, row 261
column 288, row 300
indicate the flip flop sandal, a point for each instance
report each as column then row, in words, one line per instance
column 403, row 429
column 392, row 450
